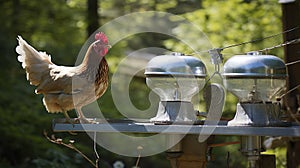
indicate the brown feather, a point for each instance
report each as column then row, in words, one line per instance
column 64, row 88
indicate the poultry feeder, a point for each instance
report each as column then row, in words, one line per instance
column 176, row 78
column 255, row 79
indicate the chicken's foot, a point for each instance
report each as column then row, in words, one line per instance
column 68, row 118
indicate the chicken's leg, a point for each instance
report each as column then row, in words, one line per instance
column 81, row 118
column 68, row 119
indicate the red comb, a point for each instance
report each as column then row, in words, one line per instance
column 102, row 37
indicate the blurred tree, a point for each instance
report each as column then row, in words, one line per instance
column 92, row 16
column 60, row 28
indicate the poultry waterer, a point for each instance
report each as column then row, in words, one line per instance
column 176, row 78
column 255, row 79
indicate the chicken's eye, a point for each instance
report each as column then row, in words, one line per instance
column 100, row 49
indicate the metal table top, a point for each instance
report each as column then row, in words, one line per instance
column 214, row 128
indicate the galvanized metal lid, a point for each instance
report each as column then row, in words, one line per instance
column 177, row 65
column 254, row 65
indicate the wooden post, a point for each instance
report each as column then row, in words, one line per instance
column 291, row 19
column 193, row 154
column 268, row 161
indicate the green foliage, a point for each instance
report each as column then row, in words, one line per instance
column 232, row 22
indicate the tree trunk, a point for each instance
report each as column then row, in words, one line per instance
column 291, row 19
column 92, row 16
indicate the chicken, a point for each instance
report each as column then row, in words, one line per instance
column 66, row 88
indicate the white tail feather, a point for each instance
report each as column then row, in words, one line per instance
column 35, row 63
